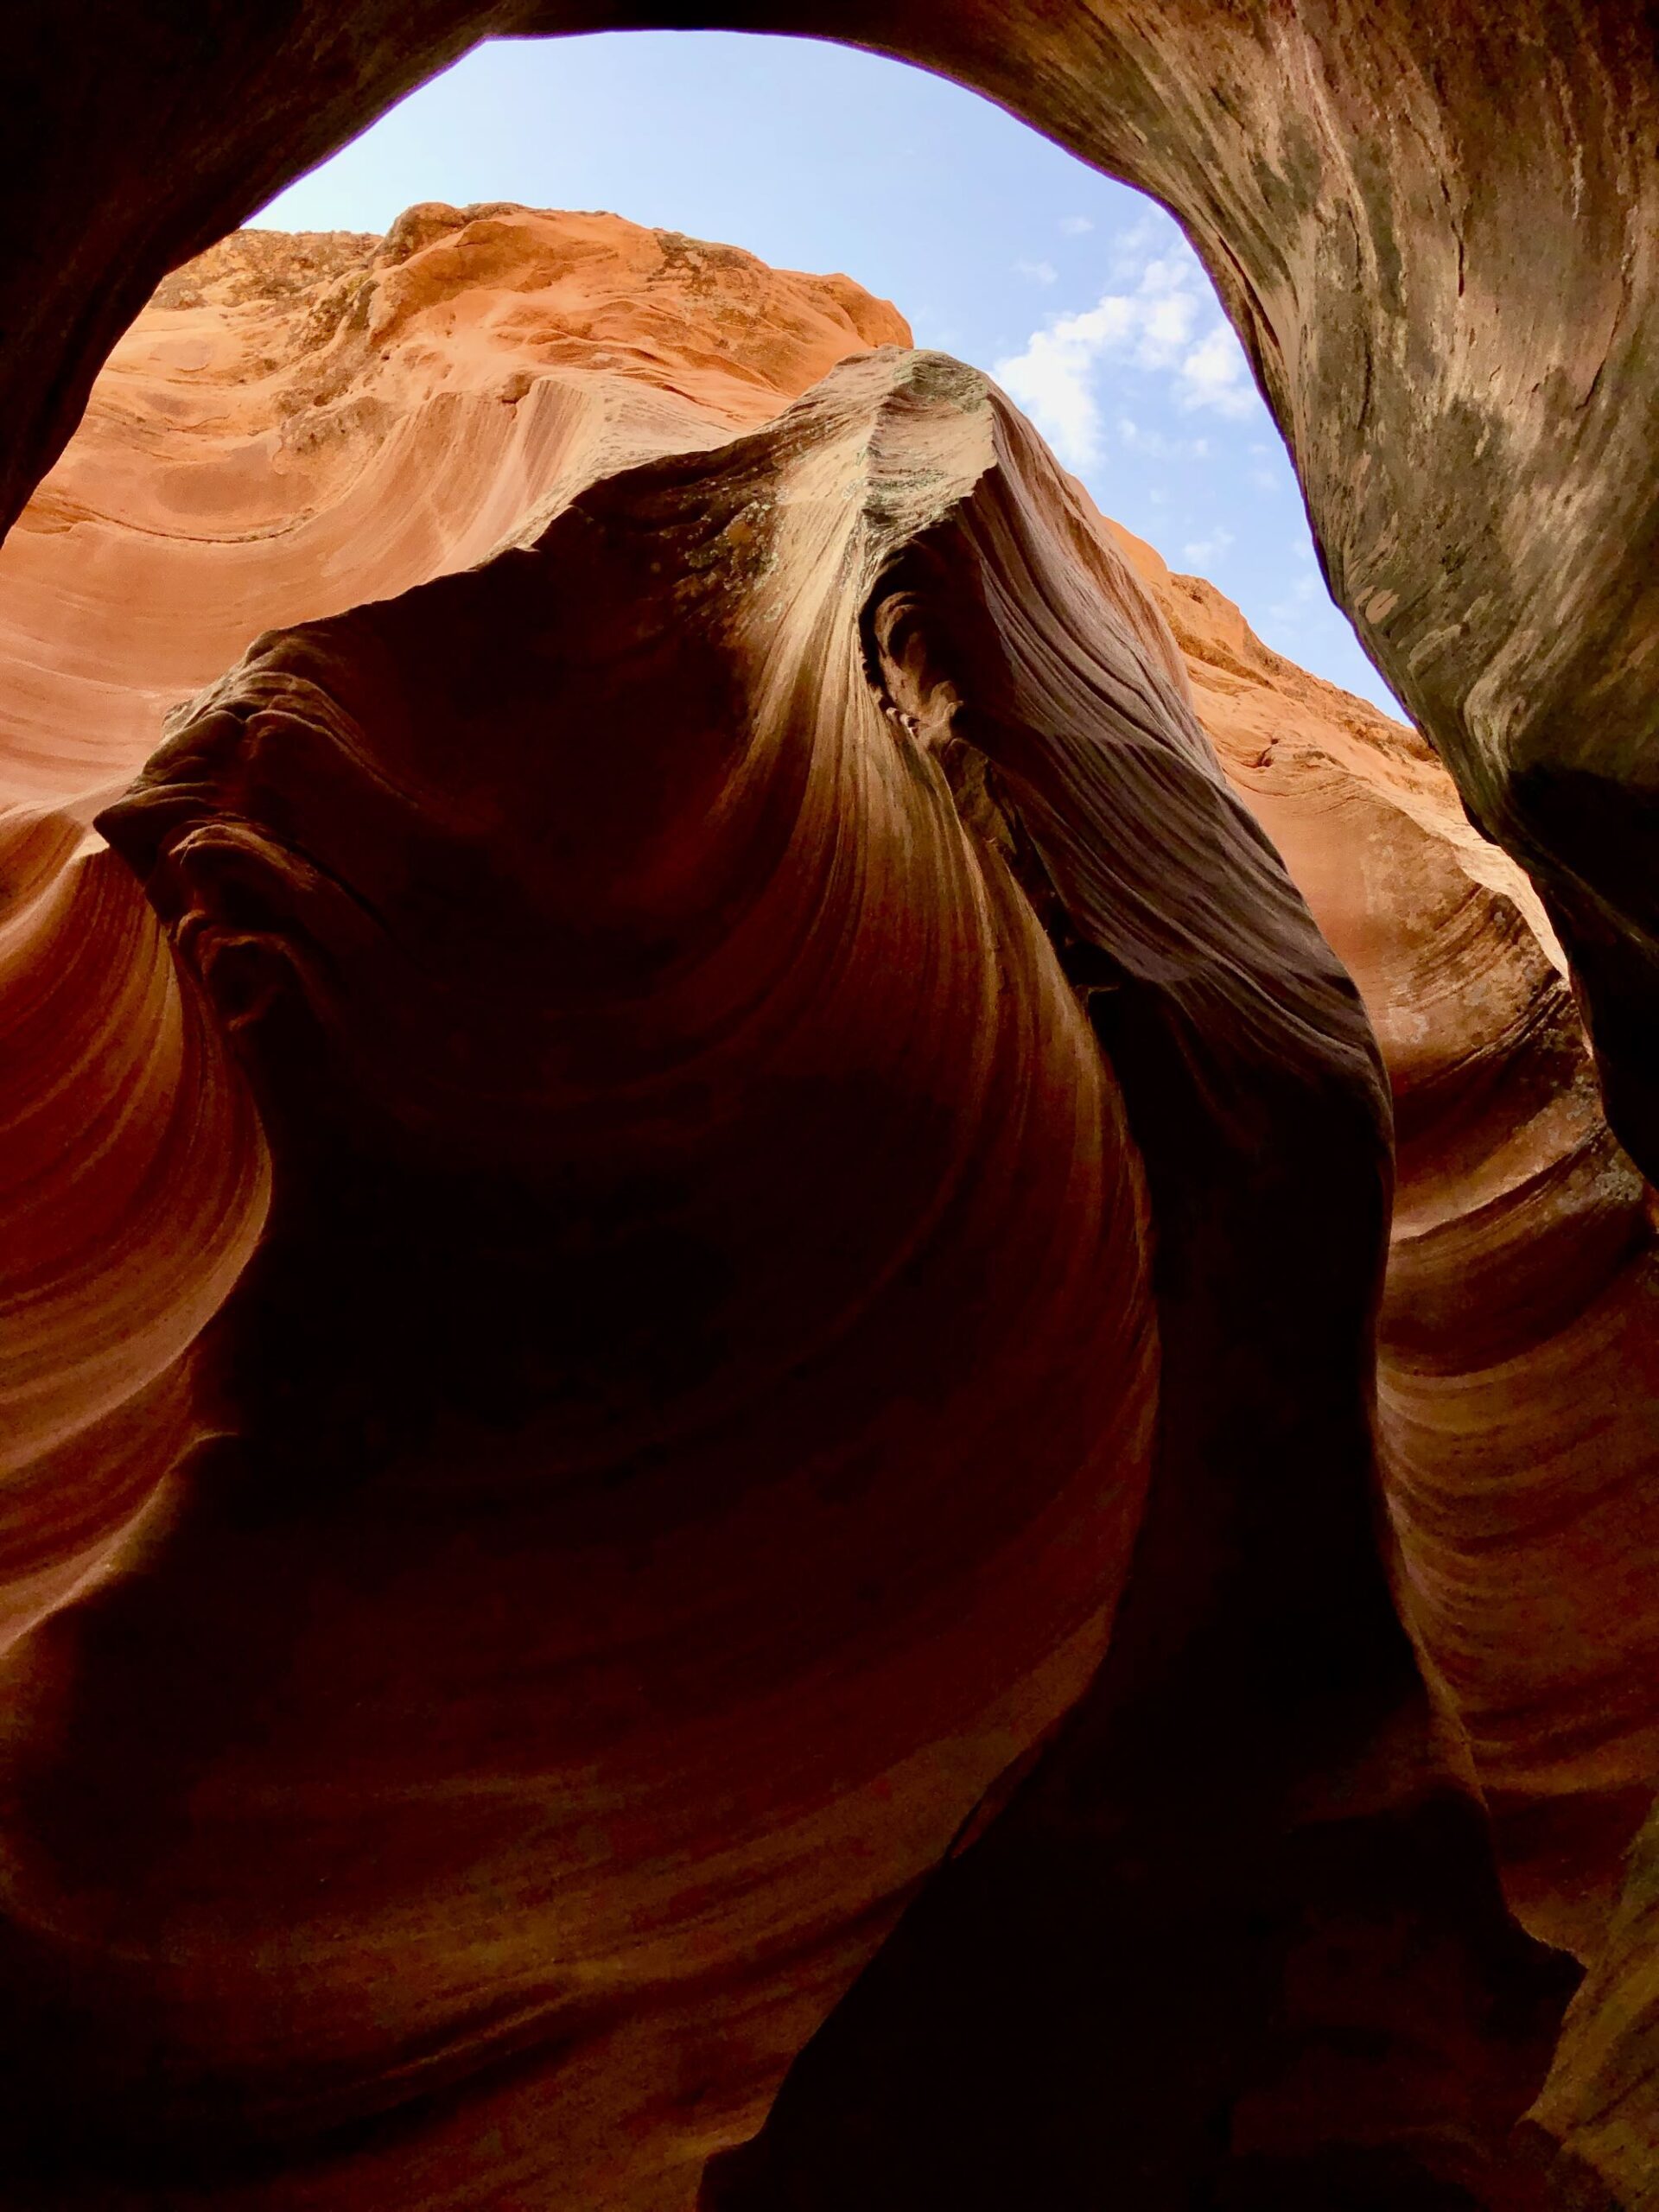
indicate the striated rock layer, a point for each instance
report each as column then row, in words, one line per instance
column 1519, row 1419
column 1519, row 1355
column 1519, row 1351
column 795, row 1174
column 297, row 425
column 642, row 1540
column 1450, row 318
column 294, row 427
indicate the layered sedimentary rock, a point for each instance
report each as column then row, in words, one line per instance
column 798, row 1172
column 641, row 1540
column 679, row 1439
column 1450, row 317
column 297, row 425
column 1519, row 1427
column 294, row 427
column 1519, row 1355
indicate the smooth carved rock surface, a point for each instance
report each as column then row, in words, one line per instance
column 1518, row 1372
column 610, row 1543
column 1518, row 1375
column 297, row 425
column 1518, row 1380
column 294, row 427
column 1450, row 316
column 617, row 1543
column 794, row 935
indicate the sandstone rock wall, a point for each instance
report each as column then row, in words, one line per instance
column 264, row 450
column 845, row 748
column 1450, row 316
column 1517, row 1381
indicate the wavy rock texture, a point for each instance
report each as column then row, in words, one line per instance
column 1519, row 1354
column 1519, row 1366
column 1450, row 318
column 542, row 1274
column 1519, row 1416
column 542, row 1072
column 295, row 426
column 643, row 1538
column 617, row 1541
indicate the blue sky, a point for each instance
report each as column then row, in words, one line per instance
column 1078, row 294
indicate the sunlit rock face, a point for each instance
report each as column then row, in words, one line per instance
column 295, row 426
column 681, row 1431
column 690, row 1155
column 1450, row 317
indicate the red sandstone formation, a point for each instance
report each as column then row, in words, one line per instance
column 776, row 1124
column 1449, row 314
column 1519, row 1358
column 295, row 427
column 1519, row 1387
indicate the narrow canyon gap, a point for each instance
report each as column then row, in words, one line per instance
column 1007, row 659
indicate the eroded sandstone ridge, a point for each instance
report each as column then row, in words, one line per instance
column 1436, row 230
column 694, row 1228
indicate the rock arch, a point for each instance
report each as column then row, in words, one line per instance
column 1437, row 232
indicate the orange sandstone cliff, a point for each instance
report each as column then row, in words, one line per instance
column 703, row 1359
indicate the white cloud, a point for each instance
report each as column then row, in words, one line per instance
column 1052, row 381
column 1157, row 445
column 1132, row 248
column 1215, row 374
column 1201, row 550
column 1167, row 323
column 1076, row 226
column 1040, row 272
column 1300, row 600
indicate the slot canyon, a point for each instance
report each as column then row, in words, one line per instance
column 830, row 1361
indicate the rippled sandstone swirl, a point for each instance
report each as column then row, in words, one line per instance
column 1519, row 1356
column 797, row 1173
column 295, row 426
column 1450, row 316
column 1518, row 1371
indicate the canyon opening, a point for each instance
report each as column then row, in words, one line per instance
column 831, row 1348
